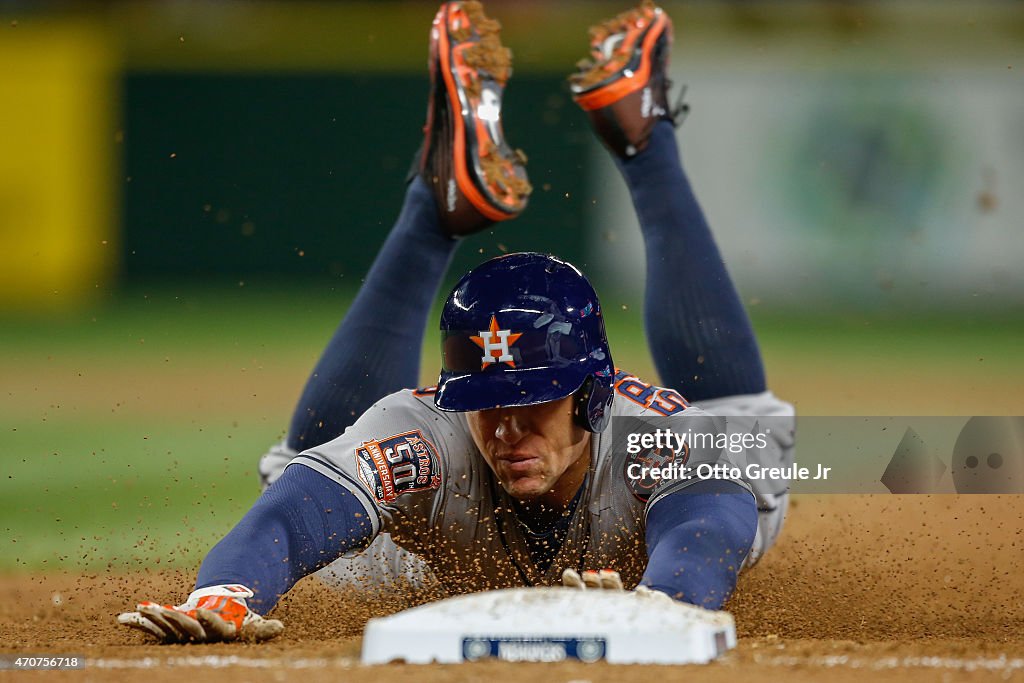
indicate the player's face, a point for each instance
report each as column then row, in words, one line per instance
column 535, row 451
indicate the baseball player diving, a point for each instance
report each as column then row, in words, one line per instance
column 505, row 473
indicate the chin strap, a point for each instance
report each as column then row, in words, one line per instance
column 581, row 405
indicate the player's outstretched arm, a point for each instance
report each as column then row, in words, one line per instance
column 301, row 523
column 697, row 539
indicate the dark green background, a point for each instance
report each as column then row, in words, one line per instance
column 267, row 176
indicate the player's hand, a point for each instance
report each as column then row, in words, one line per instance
column 607, row 579
column 209, row 615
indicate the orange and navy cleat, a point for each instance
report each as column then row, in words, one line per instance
column 476, row 176
column 623, row 87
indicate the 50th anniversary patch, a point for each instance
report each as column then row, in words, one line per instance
column 398, row 464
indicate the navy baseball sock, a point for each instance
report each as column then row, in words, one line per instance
column 698, row 332
column 376, row 349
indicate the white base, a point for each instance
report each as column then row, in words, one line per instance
column 548, row 625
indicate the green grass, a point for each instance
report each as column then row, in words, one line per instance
column 88, row 493
column 129, row 431
column 223, row 322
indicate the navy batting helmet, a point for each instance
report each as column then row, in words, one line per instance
column 523, row 329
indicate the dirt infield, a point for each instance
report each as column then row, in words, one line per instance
column 888, row 587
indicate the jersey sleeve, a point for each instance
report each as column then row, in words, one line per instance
column 392, row 459
column 731, row 437
column 701, row 456
column 766, row 414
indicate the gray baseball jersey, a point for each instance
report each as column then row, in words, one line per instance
column 421, row 479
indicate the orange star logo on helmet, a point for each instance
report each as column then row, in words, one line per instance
column 495, row 343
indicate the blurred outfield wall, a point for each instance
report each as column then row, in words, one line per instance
column 849, row 154
column 58, row 234
column 881, row 171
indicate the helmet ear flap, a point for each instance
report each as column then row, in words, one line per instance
column 593, row 403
